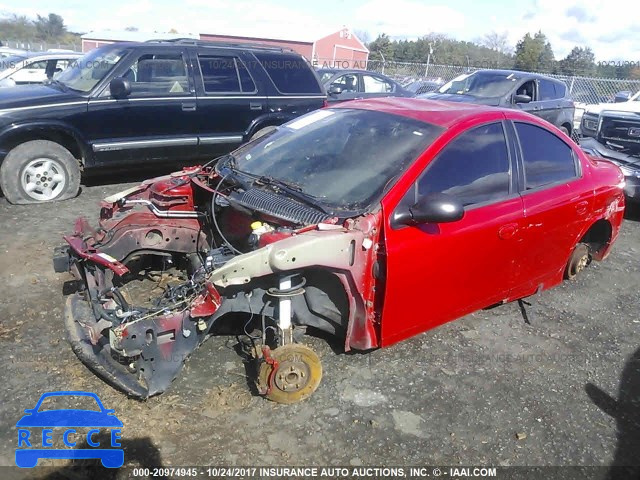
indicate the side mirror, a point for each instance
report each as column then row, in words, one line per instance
column 521, row 98
column 335, row 90
column 431, row 208
column 120, row 87
column 622, row 97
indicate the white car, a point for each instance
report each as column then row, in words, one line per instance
column 591, row 116
column 33, row 68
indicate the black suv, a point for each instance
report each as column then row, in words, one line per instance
column 128, row 105
column 542, row 96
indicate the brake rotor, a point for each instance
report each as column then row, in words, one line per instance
column 578, row 261
column 292, row 374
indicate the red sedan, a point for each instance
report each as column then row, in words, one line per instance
column 371, row 221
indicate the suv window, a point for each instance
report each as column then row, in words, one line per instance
column 474, row 167
column 376, row 85
column 158, row 75
column 225, row 74
column 547, row 90
column 289, row 73
column 547, row 159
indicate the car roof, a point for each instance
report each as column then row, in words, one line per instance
column 45, row 55
column 347, row 70
column 519, row 74
column 257, row 47
column 441, row 113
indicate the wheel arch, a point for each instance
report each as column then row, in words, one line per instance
column 60, row 133
column 268, row 120
column 598, row 237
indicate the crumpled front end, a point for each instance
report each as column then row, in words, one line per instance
column 159, row 275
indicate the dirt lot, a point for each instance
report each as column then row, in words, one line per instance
column 487, row 389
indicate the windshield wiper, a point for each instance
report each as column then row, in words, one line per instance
column 293, row 190
column 59, row 84
column 228, row 162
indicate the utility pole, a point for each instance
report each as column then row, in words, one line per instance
column 426, row 70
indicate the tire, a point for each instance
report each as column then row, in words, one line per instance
column 25, row 166
column 262, row 132
column 565, row 130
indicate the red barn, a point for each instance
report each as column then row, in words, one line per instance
column 341, row 49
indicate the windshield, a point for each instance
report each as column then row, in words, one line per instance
column 481, row 84
column 84, row 73
column 10, row 62
column 345, row 158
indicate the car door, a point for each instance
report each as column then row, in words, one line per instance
column 157, row 121
column 548, row 101
column 31, row 72
column 557, row 199
column 438, row 272
column 228, row 99
column 349, row 85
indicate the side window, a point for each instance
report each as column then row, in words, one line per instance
column 547, row 90
column 158, row 75
column 528, row 88
column 290, row 73
column 547, row 159
column 348, row 83
column 474, row 167
column 376, row 85
column 225, row 74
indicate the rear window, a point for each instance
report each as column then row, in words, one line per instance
column 289, row 73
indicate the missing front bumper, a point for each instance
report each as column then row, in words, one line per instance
column 147, row 374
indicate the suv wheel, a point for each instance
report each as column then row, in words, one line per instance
column 39, row 171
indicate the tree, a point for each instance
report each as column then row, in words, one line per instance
column 363, row 35
column 381, row 48
column 51, row 27
column 17, row 27
column 534, row 54
column 496, row 41
column 580, row 61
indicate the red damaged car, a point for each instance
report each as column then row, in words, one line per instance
column 371, row 221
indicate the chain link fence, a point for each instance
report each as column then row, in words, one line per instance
column 40, row 46
column 582, row 89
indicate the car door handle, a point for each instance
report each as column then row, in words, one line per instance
column 507, row 231
column 255, row 106
column 581, row 207
column 188, row 107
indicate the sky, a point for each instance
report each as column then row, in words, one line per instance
column 611, row 33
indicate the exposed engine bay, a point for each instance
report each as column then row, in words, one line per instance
column 196, row 253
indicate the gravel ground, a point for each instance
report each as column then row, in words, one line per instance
column 487, row 389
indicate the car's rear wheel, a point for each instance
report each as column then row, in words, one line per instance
column 578, row 260
column 39, row 171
